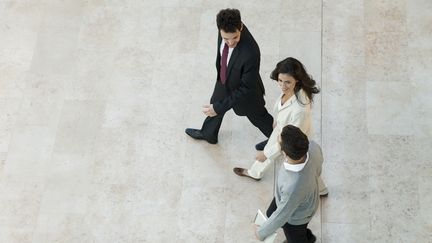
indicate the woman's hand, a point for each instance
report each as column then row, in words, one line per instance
column 260, row 156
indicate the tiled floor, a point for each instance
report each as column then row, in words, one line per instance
column 95, row 96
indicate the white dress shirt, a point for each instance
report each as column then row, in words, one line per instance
column 230, row 50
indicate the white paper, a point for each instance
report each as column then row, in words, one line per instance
column 260, row 218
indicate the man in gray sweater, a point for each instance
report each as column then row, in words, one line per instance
column 296, row 193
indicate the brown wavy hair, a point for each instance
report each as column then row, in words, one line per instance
column 295, row 68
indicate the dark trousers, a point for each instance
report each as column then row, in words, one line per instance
column 260, row 146
column 293, row 233
column 260, row 119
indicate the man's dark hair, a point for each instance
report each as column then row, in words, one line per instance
column 294, row 142
column 229, row 20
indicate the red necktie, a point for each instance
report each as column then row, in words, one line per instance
column 223, row 63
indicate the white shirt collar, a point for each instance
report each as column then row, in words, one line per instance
column 296, row 167
column 300, row 95
column 287, row 103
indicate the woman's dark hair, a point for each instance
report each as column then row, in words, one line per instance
column 294, row 142
column 229, row 20
column 295, row 68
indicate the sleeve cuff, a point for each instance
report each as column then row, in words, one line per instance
column 260, row 236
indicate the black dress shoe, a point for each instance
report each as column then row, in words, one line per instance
column 310, row 237
column 260, row 146
column 197, row 134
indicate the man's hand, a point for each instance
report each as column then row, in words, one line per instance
column 208, row 110
column 260, row 156
column 256, row 227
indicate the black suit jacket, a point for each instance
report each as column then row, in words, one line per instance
column 243, row 90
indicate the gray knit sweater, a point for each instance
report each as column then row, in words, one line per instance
column 296, row 194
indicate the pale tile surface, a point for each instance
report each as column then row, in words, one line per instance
column 375, row 134
column 95, row 96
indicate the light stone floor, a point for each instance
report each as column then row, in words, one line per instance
column 95, row 96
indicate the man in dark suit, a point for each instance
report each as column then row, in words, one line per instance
column 238, row 85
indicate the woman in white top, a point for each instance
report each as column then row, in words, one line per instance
column 293, row 107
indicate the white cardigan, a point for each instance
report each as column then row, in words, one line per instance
column 292, row 112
